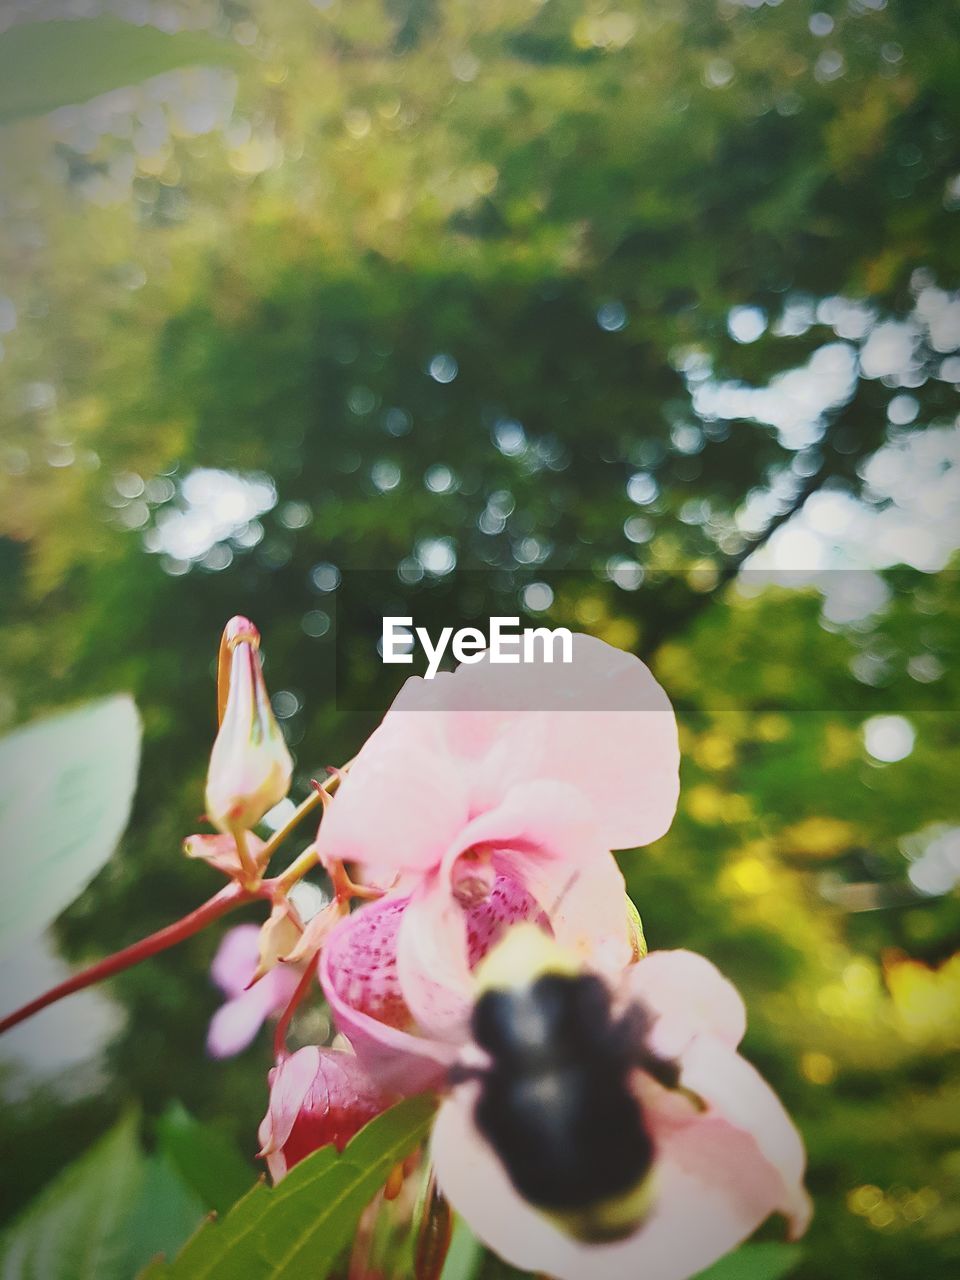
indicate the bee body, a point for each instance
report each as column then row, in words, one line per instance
column 557, row 1104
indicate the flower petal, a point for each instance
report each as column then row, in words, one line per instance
column 220, row 851
column 544, row 836
column 432, row 962
column 601, row 723
column 735, row 1091
column 689, row 996
column 455, row 746
column 235, row 1024
column 711, row 1192
column 358, row 971
column 236, row 959
column 317, row 1096
column 509, row 903
column 402, row 800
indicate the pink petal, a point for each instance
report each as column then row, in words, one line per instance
column 440, row 942
column 289, row 1083
column 611, row 733
column 454, row 747
column 402, row 801
column 235, row 1024
column 601, row 723
column 279, row 985
column 689, row 996
column 509, row 903
column 317, row 1096
column 736, row 1092
column 432, row 962
column 544, row 836
column 236, row 959
column 711, row 1192
column 220, row 851
column 358, row 971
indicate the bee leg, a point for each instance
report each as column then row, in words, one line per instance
column 633, row 1029
column 460, row 1073
column 664, row 1070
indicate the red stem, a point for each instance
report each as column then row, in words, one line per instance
column 230, row 897
column 283, row 1025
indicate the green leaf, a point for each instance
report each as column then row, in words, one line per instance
column 204, row 1159
column 165, row 1214
column 65, row 795
column 102, row 1218
column 72, row 1231
column 45, row 65
column 465, row 1256
column 299, row 1228
column 755, row 1262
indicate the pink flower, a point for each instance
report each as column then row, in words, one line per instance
column 360, row 976
column 521, row 775
column 724, row 1153
column 250, row 765
column 317, row 1096
column 236, row 1023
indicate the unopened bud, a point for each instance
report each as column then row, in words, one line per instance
column 250, row 766
column 279, row 934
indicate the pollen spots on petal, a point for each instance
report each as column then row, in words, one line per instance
column 508, row 903
column 362, row 964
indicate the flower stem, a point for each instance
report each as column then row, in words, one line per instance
column 283, row 1024
column 315, row 798
column 234, row 895
column 228, row 899
column 297, row 869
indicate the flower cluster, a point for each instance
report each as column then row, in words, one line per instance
column 484, row 809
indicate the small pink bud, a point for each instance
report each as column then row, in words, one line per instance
column 250, row 765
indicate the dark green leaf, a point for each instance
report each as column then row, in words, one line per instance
column 73, row 1230
column 166, row 1213
column 105, row 1216
column 45, row 65
column 300, row 1227
column 755, row 1262
column 67, row 785
column 205, row 1160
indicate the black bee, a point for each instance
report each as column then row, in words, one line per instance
column 556, row 1103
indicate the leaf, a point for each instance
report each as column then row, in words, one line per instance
column 755, row 1262
column 204, row 1159
column 45, row 65
column 299, row 1228
column 465, row 1256
column 165, row 1215
column 103, row 1217
column 66, row 785
column 71, row 1231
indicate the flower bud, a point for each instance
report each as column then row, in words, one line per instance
column 279, row 934
column 250, row 765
